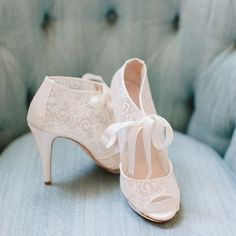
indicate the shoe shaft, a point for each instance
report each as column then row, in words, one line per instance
column 63, row 107
column 125, row 108
column 38, row 107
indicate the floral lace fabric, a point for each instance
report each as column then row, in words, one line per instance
column 125, row 108
column 141, row 193
column 69, row 113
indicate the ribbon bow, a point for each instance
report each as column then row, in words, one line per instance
column 103, row 98
column 155, row 130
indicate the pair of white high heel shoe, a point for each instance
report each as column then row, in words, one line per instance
column 118, row 127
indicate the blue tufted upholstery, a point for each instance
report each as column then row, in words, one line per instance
column 189, row 47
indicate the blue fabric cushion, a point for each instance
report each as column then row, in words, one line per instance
column 230, row 156
column 85, row 200
column 214, row 117
column 12, row 99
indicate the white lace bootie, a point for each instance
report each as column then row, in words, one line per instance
column 147, row 179
column 75, row 108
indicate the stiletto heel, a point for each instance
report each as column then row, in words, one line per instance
column 44, row 142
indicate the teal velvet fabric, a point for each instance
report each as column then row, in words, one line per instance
column 86, row 200
column 190, row 50
column 189, row 47
column 214, row 118
column 230, row 156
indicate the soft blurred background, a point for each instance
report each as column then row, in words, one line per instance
column 190, row 50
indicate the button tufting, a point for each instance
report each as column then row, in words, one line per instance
column 47, row 20
column 111, row 16
column 175, row 23
column 234, row 45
